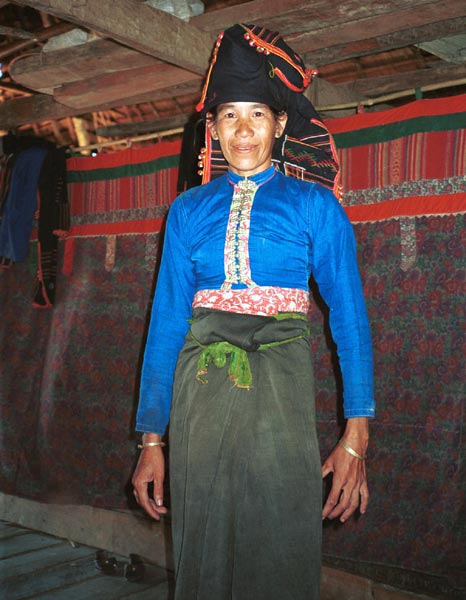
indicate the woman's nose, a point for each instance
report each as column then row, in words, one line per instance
column 244, row 128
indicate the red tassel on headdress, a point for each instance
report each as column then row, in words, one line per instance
column 200, row 104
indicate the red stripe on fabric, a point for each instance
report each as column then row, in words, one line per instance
column 417, row 157
column 460, row 150
column 131, row 156
column 415, row 206
column 418, row 108
column 68, row 256
column 120, row 228
column 109, row 195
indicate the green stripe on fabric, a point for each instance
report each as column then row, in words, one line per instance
column 131, row 170
column 392, row 131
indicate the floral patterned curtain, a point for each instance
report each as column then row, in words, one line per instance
column 69, row 376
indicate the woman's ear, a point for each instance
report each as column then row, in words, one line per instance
column 210, row 123
column 281, row 124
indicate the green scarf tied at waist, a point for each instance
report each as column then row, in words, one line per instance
column 239, row 370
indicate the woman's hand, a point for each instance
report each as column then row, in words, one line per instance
column 150, row 468
column 349, row 485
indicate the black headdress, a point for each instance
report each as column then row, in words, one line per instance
column 252, row 64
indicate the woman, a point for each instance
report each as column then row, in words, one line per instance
column 230, row 313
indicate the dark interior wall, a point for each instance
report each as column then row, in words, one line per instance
column 69, row 375
column 417, row 451
column 69, row 387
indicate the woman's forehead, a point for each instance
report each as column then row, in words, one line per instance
column 241, row 105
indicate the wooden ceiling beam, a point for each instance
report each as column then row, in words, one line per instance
column 152, row 126
column 256, row 11
column 45, row 70
column 39, row 36
column 400, row 27
column 137, row 25
column 378, row 86
column 291, row 16
column 104, row 56
column 32, row 109
column 113, row 87
column 390, row 41
column 39, row 107
column 17, row 33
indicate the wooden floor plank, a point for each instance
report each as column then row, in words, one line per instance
column 20, row 565
column 37, row 566
column 97, row 587
column 11, row 531
column 163, row 591
column 56, row 576
column 25, row 543
column 102, row 586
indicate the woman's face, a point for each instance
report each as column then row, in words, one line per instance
column 246, row 132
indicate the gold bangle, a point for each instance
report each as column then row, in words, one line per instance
column 350, row 450
column 150, row 445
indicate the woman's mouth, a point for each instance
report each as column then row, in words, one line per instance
column 244, row 149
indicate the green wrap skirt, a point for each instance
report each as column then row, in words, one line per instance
column 245, row 471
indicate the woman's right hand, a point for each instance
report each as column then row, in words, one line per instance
column 150, row 468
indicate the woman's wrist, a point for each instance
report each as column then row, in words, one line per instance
column 151, row 440
column 356, row 434
column 151, row 437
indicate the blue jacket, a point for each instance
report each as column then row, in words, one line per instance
column 296, row 229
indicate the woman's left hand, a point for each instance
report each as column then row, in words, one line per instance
column 349, row 485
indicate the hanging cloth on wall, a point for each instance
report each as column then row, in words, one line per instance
column 20, row 205
column 6, row 167
column 54, row 223
column 33, row 183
